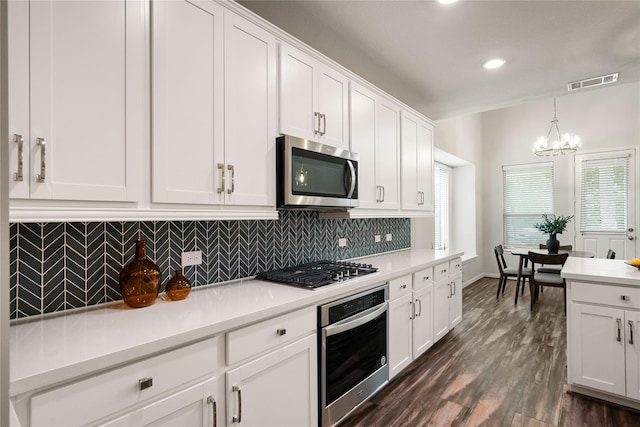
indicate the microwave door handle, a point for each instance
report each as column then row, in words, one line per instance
column 351, row 183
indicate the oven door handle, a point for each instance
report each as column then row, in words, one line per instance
column 355, row 321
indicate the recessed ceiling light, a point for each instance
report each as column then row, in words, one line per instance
column 447, row 1
column 494, row 63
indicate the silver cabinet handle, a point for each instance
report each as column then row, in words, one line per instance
column 413, row 310
column 214, row 410
column 233, row 179
column 316, row 129
column 453, row 285
column 630, row 230
column 18, row 176
column 237, row 418
column 324, row 124
column 619, row 322
column 625, row 298
column 145, row 383
column 449, row 296
column 425, row 278
column 382, row 187
column 630, row 331
column 221, row 169
column 43, row 159
column 378, row 194
column 281, row 331
column 403, row 286
column 420, row 307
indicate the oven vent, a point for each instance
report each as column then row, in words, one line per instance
column 594, row 81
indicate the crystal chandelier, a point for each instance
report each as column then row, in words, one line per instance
column 565, row 144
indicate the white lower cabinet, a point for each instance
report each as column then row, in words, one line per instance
column 194, row 406
column 160, row 390
column 272, row 374
column 277, row 389
column 410, row 319
column 447, row 297
column 602, row 338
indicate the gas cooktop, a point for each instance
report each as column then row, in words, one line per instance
column 316, row 274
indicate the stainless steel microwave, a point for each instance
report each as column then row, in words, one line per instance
column 315, row 176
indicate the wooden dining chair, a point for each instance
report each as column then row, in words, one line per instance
column 611, row 254
column 562, row 248
column 539, row 279
column 553, row 269
column 506, row 272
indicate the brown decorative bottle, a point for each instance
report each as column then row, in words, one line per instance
column 140, row 279
column 178, row 287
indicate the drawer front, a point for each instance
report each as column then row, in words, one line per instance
column 254, row 339
column 93, row 398
column 441, row 271
column 400, row 286
column 455, row 266
column 618, row 296
column 422, row 278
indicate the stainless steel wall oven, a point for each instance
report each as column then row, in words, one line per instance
column 353, row 352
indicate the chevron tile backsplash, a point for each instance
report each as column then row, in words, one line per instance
column 61, row 266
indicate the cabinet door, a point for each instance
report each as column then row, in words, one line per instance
column 363, row 142
column 298, row 93
column 388, row 153
column 278, row 389
column 597, row 357
column 400, row 334
column 188, row 99
column 409, row 145
column 18, row 98
column 194, row 406
column 249, row 111
column 333, row 103
column 424, row 164
column 441, row 295
column 87, row 100
column 455, row 302
column 632, row 353
column 423, row 320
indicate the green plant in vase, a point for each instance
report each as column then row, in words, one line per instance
column 553, row 225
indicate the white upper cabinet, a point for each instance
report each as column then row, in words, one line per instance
column 313, row 99
column 77, row 100
column 187, row 107
column 417, row 163
column 250, row 113
column 214, row 107
column 375, row 133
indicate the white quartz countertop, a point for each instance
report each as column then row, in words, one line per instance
column 50, row 350
column 601, row 270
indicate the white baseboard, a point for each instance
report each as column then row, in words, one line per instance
column 473, row 280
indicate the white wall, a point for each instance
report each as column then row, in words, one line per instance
column 604, row 117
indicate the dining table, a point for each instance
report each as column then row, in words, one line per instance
column 523, row 254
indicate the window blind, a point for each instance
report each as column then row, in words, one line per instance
column 527, row 194
column 603, row 195
column 441, row 178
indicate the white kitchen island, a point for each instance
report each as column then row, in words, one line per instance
column 603, row 317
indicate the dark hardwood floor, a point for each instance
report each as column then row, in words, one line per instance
column 502, row 366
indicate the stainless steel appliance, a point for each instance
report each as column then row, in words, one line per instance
column 315, row 176
column 353, row 352
column 316, row 274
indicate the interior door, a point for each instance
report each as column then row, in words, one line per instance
column 606, row 202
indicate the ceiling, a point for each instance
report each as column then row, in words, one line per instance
column 430, row 55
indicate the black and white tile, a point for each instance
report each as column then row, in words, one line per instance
column 61, row 266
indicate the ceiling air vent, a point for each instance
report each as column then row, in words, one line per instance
column 594, row 81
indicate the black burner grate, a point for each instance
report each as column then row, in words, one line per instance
column 316, row 274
